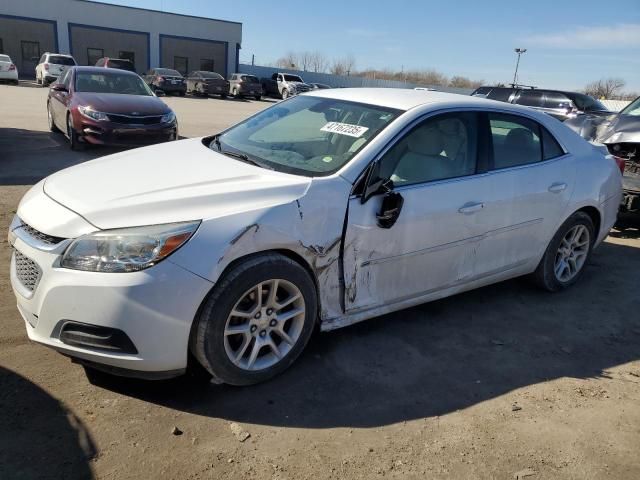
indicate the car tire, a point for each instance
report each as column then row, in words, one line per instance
column 285, row 94
column 50, row 121
column 567, row 254
column 72, row 135
column 223, row 96
column 258, row 97
column 249, row 356
column 182, row 94
column 234, row 93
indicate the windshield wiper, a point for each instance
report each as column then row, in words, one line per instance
column 240, row 156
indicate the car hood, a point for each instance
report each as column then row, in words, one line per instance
column 122, row 104
column 170, row 182
column 607, row 129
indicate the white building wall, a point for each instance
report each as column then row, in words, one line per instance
column 92, row 13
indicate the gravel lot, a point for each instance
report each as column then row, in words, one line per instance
column 503, row 382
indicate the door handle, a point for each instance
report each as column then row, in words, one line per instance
column 471, row 207
column 557, row 187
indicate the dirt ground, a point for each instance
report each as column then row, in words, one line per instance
column 503, row 382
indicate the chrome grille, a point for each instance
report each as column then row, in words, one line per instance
column 27, row 271
column 38, row 235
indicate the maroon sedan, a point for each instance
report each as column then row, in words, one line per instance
column 101, row 106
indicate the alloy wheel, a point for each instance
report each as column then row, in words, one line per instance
column 264, row 325
column 572, row 253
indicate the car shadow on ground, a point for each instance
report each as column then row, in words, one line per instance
column 30, row 419
column 28, row 156
column 437, row 358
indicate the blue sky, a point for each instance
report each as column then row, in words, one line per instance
column 569, row 42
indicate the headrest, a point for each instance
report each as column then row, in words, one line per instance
column 426, row 141
column 519, row 137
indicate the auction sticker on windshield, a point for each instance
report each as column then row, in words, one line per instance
column 345, row 129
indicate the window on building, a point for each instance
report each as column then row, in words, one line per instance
column 127, row 56
column 206, row 64
column 93, row 55
column 30, row 51
column 181, row 64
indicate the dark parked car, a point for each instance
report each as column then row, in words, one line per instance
column 166, row 80
column 559, row 104
column 119, row 63
column 108, row 107
column 207, row 83
column 319, row 86
column 242, row 85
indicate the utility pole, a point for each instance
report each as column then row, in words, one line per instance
column 519, row 51
column 253, row 59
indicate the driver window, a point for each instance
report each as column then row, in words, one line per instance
column 442, row 147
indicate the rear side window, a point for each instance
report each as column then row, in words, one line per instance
column 500, row 94
column 530, row 98
column 481, row 91
column 515, row 140
column 550, row 146
column 587, row 103
column 557, row 100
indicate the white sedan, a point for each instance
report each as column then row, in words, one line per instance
column 8, row 70
column 327, row 209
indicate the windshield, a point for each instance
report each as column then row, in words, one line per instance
column 210, row 75
column 168, row 72
column 250, row 79
column 306, row 135
column 292, row 78
column 59, row 60
column 111, row 82
column 121, row 64
column 633, row 108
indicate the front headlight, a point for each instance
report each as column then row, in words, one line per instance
column 168, row 117
column 93, row 114
column 126, row 249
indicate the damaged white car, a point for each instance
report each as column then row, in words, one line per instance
column 324, row 210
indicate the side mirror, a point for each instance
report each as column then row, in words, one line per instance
column 373, row 182
column 59, row 87
column 390, row 209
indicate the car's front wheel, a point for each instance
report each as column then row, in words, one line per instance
column 74, row 138
column 50, row 121
column 567, row 254
column 256, row 321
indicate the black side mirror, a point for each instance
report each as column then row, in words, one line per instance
column 373, row 182
column 390, row 209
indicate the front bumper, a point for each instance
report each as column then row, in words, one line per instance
column 114, row 134
column 154, row 308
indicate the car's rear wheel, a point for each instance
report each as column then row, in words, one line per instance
column 74, row 138
column 567, row 254
column 235, row 93
column 285, row 94
column 256, row 321
column 50, row 121
column 258, row 97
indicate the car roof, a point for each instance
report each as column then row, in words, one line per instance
column 101, row 70
column 58, row 54
column 403, row 98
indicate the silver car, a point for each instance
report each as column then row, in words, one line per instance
column 326, row 209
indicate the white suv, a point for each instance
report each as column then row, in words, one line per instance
column 51, row 66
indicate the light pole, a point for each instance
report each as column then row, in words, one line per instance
column 519, row 51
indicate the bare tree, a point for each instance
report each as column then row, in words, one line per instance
column 607, row 88
column 319, row 62
column 290, row 60
column 343, row 66
column 464, row 82
column 305, row 59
